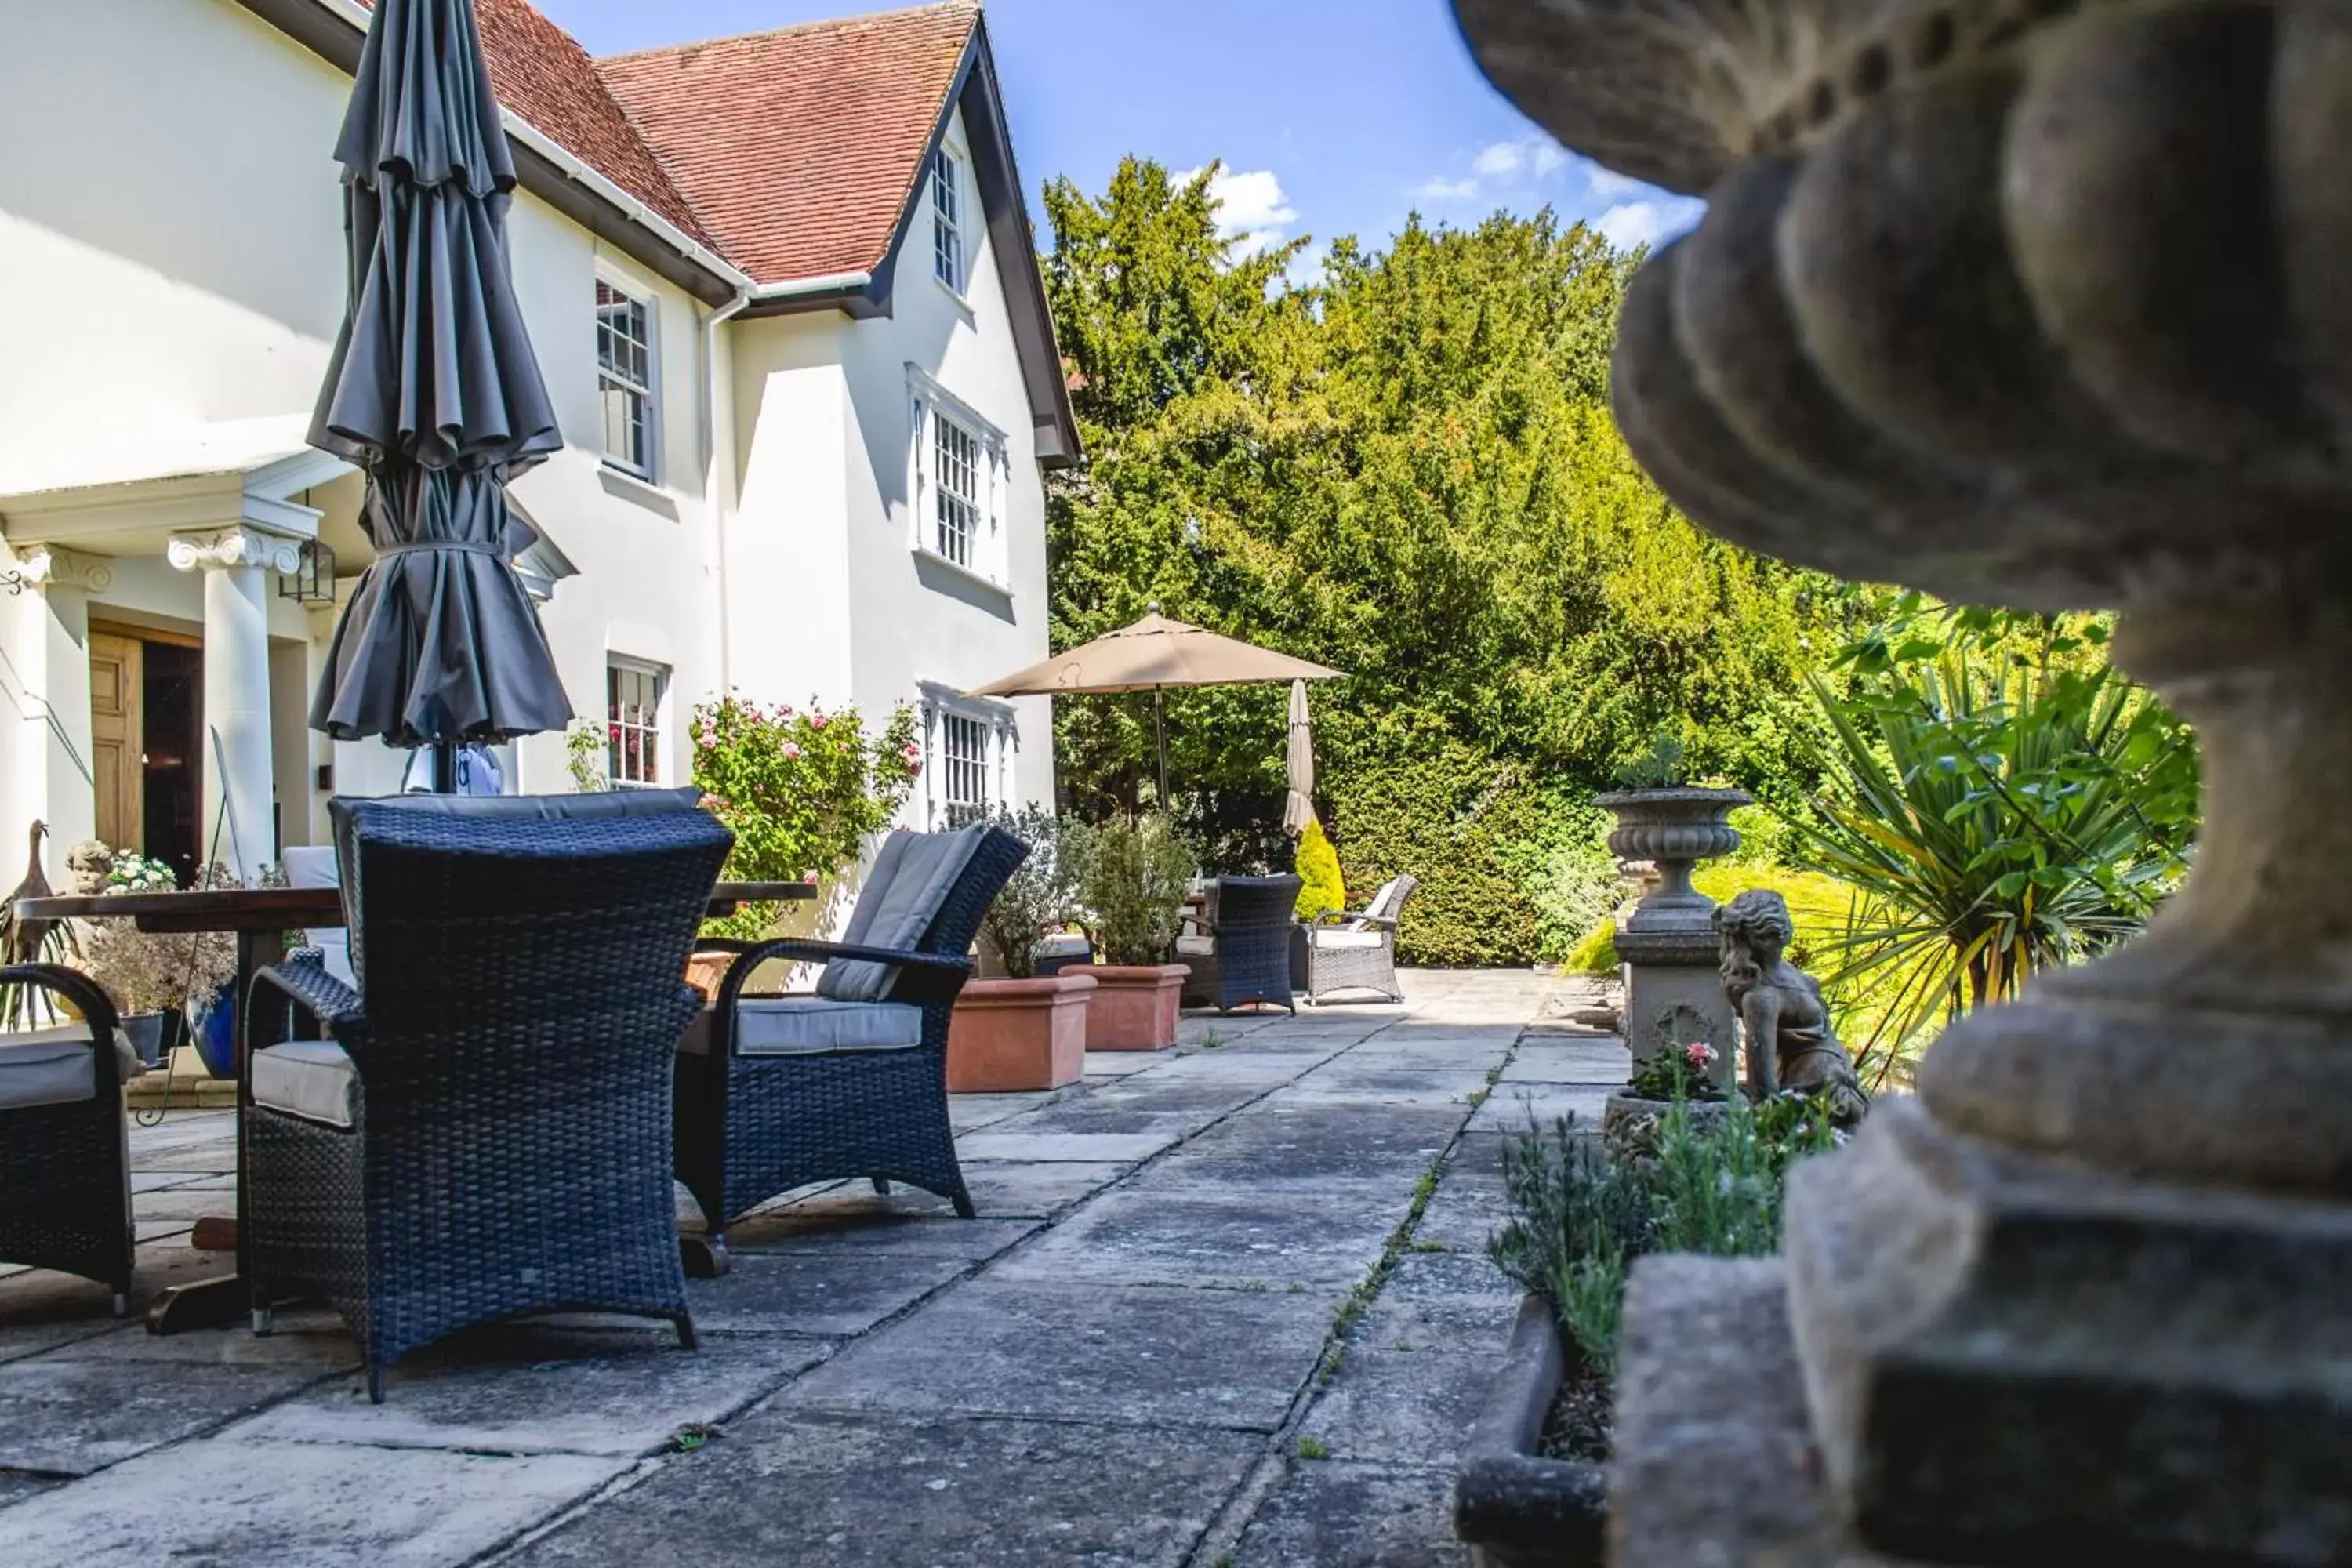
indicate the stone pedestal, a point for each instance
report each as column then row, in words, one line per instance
column 2041, row 307
column 1673, row 993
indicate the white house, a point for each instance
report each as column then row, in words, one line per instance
column 785, row 298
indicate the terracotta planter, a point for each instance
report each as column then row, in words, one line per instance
column 1136, row 1007
column 1012, row 1035
column 704, row 970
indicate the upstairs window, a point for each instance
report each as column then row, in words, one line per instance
column 947, row 219
column 956, row 489
column 624, row 378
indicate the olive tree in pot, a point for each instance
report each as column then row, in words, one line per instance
column 1134, row 873
column 1024, row 1030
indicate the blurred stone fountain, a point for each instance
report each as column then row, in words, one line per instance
column 2041, row 305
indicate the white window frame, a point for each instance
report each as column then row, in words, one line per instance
column 950, row 206
column 1000, row 738
column 628, row 291
column 929, row 404
column 653, row 743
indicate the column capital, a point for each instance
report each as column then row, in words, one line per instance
column 234, row 544
column 55, row 566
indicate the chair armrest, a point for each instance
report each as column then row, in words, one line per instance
column 305, row 982
column 88, row 997
column 751, row 955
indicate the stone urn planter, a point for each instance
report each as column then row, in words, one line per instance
column 1673, row 992
column 1135, row 1006
column 1010, row 1036
column 1512, row 1505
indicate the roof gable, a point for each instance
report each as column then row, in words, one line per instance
column 799, row 148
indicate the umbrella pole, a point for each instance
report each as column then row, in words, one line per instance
column 1159, row 731
column 445, row 767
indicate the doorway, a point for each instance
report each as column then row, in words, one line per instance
column 146, row 706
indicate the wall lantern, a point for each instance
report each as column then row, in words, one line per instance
column 313, row 581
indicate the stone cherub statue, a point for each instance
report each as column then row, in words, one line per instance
column 1791, row 1042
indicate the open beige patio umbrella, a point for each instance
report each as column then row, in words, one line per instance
column 1152, row 655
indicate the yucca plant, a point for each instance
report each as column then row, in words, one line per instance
column 1999, row 813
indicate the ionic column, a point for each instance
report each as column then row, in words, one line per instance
column 236, row 562
column 49, row 759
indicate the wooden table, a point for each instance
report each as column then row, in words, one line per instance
column 260, row 918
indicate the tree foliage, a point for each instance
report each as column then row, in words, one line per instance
column 1406, row 469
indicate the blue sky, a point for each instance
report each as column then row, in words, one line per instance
column 1332, row 116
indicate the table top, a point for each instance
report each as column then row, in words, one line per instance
column 286, row 909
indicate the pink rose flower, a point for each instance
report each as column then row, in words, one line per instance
column 710, row 802
column 1699, row 1054
column 817, row 721
column 792, row 752
column 810, row 878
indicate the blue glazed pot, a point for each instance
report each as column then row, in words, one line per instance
column 215, row 1036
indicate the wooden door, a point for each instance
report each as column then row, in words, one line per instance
column 117, row 737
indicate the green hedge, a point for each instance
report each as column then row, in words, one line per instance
column 1511, row 872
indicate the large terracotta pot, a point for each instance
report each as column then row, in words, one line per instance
column 1136, row 1006
column 704, row 970
column 1012, row 1035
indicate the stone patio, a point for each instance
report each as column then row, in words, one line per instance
column 1225, row 1305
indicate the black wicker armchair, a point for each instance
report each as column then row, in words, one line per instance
column 482, row 1130
column 774, row 1092
column 65, row 1181
column 1239, row 950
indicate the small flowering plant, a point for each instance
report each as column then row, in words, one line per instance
column 1677, row 1072
column 801, row 789
column 133, row 872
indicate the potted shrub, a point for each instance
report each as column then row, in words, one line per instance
column 152, row 974
column 1134, row 873
column 802, row 790
column 1024, row 1030
column 1320, row 892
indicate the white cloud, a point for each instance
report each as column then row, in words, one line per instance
column 1608, row 185
column 1442, row 189
column 1629, row 224
column 1253, row 211
column 1497, row 167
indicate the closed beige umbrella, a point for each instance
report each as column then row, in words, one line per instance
column 1298, row 805
column 1152, row 655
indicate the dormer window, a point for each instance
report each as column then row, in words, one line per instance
column 947, row 219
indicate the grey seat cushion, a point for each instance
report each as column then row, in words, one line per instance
column 47, row 1066
column 800, row 1025
column 911, row 879
column 309, row 1078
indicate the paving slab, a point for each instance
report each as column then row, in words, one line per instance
column 1353, row 1082
column 1512, row 1105
column 212, row 1156
column 821, row 1297
column 1093, row 1116
column 1331, row 1513
column 969, row 1112
column 1001, row 1189
column 851, row 1492
column 1285, row 1141
column 526, row 1390
column 1147, row 1356
column 1089, row 1147
column 854, row 1224
column 15, row 1486
column 96, row 1403
column 1120, row 1064
column 1605, row 1063
column 230, row 1504
column 1236, row 1236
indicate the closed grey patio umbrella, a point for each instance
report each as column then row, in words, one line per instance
column 433, row 391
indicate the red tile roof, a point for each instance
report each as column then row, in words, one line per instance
column 797, row 148
column 541, row 73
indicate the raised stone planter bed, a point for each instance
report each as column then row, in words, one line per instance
column 1515, row 1508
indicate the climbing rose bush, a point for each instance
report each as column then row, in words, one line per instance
column 802, row 789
